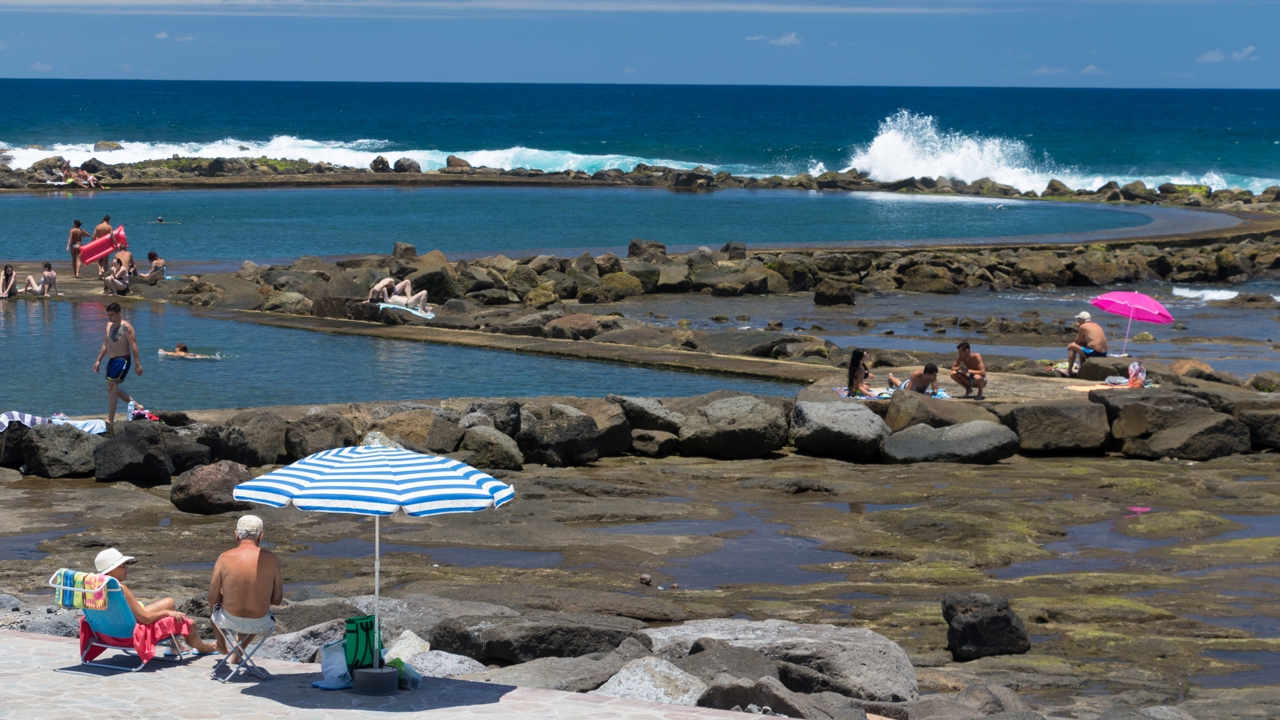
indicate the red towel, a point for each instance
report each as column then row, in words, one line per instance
column 144, row 640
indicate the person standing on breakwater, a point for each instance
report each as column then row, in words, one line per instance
column 923, row 381
column 120, row 345
column 101, row 230
column 969, row 372
column 1091, row 341
column 74, row 240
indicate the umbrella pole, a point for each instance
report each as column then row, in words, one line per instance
column 377, row 571
column 1125, row 350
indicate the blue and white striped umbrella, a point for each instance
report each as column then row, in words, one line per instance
column 377, row 480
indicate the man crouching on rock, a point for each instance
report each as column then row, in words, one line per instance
column 246, row 583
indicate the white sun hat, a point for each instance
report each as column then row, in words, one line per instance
column 109, row 560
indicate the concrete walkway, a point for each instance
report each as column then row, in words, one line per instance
column 41, row 677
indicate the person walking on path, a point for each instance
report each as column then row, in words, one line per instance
column 74, row 241
column 101, row 230
column 120, row 345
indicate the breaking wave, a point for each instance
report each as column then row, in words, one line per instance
column 1205, row 294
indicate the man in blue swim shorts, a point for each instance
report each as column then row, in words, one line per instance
column 121, row 349
column 1090, row 341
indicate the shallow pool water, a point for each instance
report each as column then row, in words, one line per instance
column 264, row 365
column 463, row 557
column 25, row 547
column 1268, row 672
column 1081, row 538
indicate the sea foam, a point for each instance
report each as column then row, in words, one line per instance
column 1205, row 294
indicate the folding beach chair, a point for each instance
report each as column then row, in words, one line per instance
column 231, row 629
column 110, row 629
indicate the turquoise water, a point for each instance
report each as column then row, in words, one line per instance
column 50, row 348
column 283, row 224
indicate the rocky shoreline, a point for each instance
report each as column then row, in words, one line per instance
column 180, row 172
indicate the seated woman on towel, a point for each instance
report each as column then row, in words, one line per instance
column 859, row 375
column 156, row 273
column 112, row 563
column 47, row 285
column 8, row 283
column 116, row 282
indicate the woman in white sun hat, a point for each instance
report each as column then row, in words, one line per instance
column 111, row 562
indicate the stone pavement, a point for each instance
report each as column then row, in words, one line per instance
column 41, row 676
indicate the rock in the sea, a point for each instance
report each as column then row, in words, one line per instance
column 303, row 645
column 454, row 161
column 654, row 443
column 533, row 636
column 288, row 303
column 207, row 490
column 106, row 146
column 317, row 432
column 579, row 326
column 979, row 625
column 57, row 451
column 1267, row 381
column 504, row 413
column 860, row 662
column 831, row 292
column 981, row 442
column 734, row 428
column 653, row 679
column 133, row 453
column 380, row 165
column 845, row 430
column 404, row 252
column 1058, row 427
column 407, row 165
column 494, row 450
column 422, row 428
column 648, row 414
column 559, row 436
column 912, row 408
column 437, row 664
column 575, row 674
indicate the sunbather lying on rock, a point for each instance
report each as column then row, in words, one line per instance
column 924, row 381
column 114, row 564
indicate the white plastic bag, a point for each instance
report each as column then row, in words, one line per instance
column 333, row 659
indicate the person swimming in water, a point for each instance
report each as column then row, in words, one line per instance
column 181, row 351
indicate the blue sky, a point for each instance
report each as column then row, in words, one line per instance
column 1069, row 43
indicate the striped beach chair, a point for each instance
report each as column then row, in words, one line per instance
column 112, row 628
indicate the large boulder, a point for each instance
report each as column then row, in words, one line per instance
column 317, row 432
column 436, row 281
column 860, row 663
column 911, row 408
column 407, row 165
column 207, row 490
column 288, row 303
column 575, row 674
column 579, row 326
column 184, row 452
column 422, row 428
column 529, row 637
column 560, row 436
column 493, row 449
column 980, row 442
column 645, row 250
column 419, row 613
column 734, row 428
column 252, row 438
column 505, row 414
column 654, row 443
column 303, row 645
column 1186, row 436
column 612, row 288
column 610, row 420
column 11, row 445
column 845, row 430
column 980, row 625
column 134, row 453
column 437, row 664
column 653, row 679
column 57, row 451
column 726, row 693
column 302, row 615
column 647, row 273
column 1115, row 402
column 1042, row 269
column 832, row 292
column 1058, row 427
column 1264, row 428
column 708, row 659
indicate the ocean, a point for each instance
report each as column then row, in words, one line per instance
column 1019, row 136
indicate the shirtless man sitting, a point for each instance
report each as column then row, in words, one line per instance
column 246, row 583
column 968, row 371
column 923, row 381
column 1090, row 341
column 46, row 287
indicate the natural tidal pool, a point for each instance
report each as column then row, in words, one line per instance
column 281, row 224
column 51, row 345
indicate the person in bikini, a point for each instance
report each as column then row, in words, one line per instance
column 923, row 381
column 8, row 283
column 394, row 294
column 74, row 241
column 156, row 273
column 46, row 287
column 117, row 281
column 859, row 375
column 969, row 372
column 1091, row 341
column 102, row 229
column 121, row 347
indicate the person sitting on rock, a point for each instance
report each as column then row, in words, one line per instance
column 1091, row 341
column 112, row 563
column 968, row 371
column 47, row 285
column 859, row 375
column 156, row 273
column 401, row 296
column 379, row 289
column 246, row 583
column 923, row 381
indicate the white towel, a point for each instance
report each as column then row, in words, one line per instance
column 419, row 313
column 93, row 427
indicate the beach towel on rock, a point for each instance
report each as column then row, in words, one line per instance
column 93, row 427
column 144, row 641
column 21, row 418
column 419, row 313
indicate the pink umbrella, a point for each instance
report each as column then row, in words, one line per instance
column 1134, row 306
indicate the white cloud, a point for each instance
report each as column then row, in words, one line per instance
column 753, row 38
column 1046, row 70
column 786, row 40
column 1212, row 56
column 1093, row 70
column 41, row 67
column 1245, row 54
column 185, row 38
column 162, row 34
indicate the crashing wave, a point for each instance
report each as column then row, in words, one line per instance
column 1205, row 294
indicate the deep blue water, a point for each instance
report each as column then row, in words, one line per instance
column 285, row 223
column 1021, row 136
column 50, row 347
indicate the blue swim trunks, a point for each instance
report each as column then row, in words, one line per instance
column 118, row 368
column 1090, row 352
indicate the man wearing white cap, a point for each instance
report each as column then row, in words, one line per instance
column 246, row 583
column 1090, row 341
column 112, row 563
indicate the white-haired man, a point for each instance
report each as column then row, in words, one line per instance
column 246, row 583
column 1091, row 341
